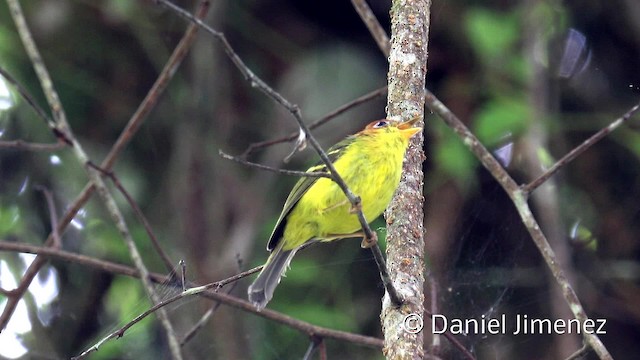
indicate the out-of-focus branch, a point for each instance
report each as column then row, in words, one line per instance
column 140, row 215
column 372, row 23
column 226, row 299
column 29, row 146
column 63, row 127
column 519, row 198
column 34, row 105
column 369, row 235
column 127, row 134
column 575, row 152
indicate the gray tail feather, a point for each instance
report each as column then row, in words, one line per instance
column 261, row 291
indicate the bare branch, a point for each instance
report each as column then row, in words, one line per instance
column 63, row 127
column 519, row 199
column 323, row 120
column 139, row 214
column 577, row 151
column 369, row 235
column 376, row 30
column 272, row 169
column 410, row 21
column 34, row 105
column 29, row 146
column 226, row 299
column 127, row 134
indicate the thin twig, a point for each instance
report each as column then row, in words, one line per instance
column 53, row 216
column 34, row 105
column 370, row 20
column 62, row 125
column 127, row 134
column 240, row 160
column 183, row 274
column 315, row 343
column 14, row 296
column 226, row 299
column 229, row 300
column 258, row 83
column 323, row 120
column 452, row 339
column 139, row 214
column 29, row 146
column 205, row 318
column 518, row 196
column 575, row 152
column 580, row 353
column 202, row 322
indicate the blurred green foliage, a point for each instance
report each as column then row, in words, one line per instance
column 104, row 57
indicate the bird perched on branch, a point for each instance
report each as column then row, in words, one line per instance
column 370, row 163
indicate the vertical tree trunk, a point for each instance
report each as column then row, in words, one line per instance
column 405, row 243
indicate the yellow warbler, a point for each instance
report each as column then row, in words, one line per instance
column 370, row 162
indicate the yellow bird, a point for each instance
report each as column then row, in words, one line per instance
column 370, row 162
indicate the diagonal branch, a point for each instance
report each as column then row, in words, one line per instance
column 127, row 134
column 519, row 198
column 323, row 120
column 519, row 195
column 34, row 105
column 62, row 125
column 258, row 83
column 577, row 151
column 226, row 299
column 377, row 32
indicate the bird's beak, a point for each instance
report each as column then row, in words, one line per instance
column 407, row 130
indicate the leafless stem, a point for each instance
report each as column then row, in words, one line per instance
column 139, row 214
column 410, row 21
column 316, row 343
column 272, row 169
column 580, row 353
column 205, row 318
column 34, row 105
column 518, row 196
column 226, row 299
column 63, row 127
column 527, row 189
column 53, row 216
column 323, row 120
column 29, row 146
column 372, row 23
column 258, row 83
column 127, row 134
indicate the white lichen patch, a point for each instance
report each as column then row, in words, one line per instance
column 402, row 58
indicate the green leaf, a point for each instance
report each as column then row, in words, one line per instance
column 454, row 158
column 10, row 220
column 492, row 34
column 500, row 117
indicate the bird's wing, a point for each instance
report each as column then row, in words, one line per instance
column 300, row 188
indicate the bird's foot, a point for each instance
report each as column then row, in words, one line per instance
column 369, row 242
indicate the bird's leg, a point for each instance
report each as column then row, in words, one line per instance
column 330, row 237
column 334, row 206
column 355, row 207
column 368, row 242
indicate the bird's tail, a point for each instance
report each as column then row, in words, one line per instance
column 261, row 291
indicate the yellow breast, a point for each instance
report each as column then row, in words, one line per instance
column 371, row 166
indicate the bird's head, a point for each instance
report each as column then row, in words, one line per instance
column 405, row 129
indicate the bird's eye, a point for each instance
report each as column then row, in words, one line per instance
column 380, row 124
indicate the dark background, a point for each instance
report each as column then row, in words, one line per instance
column 495, row 64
